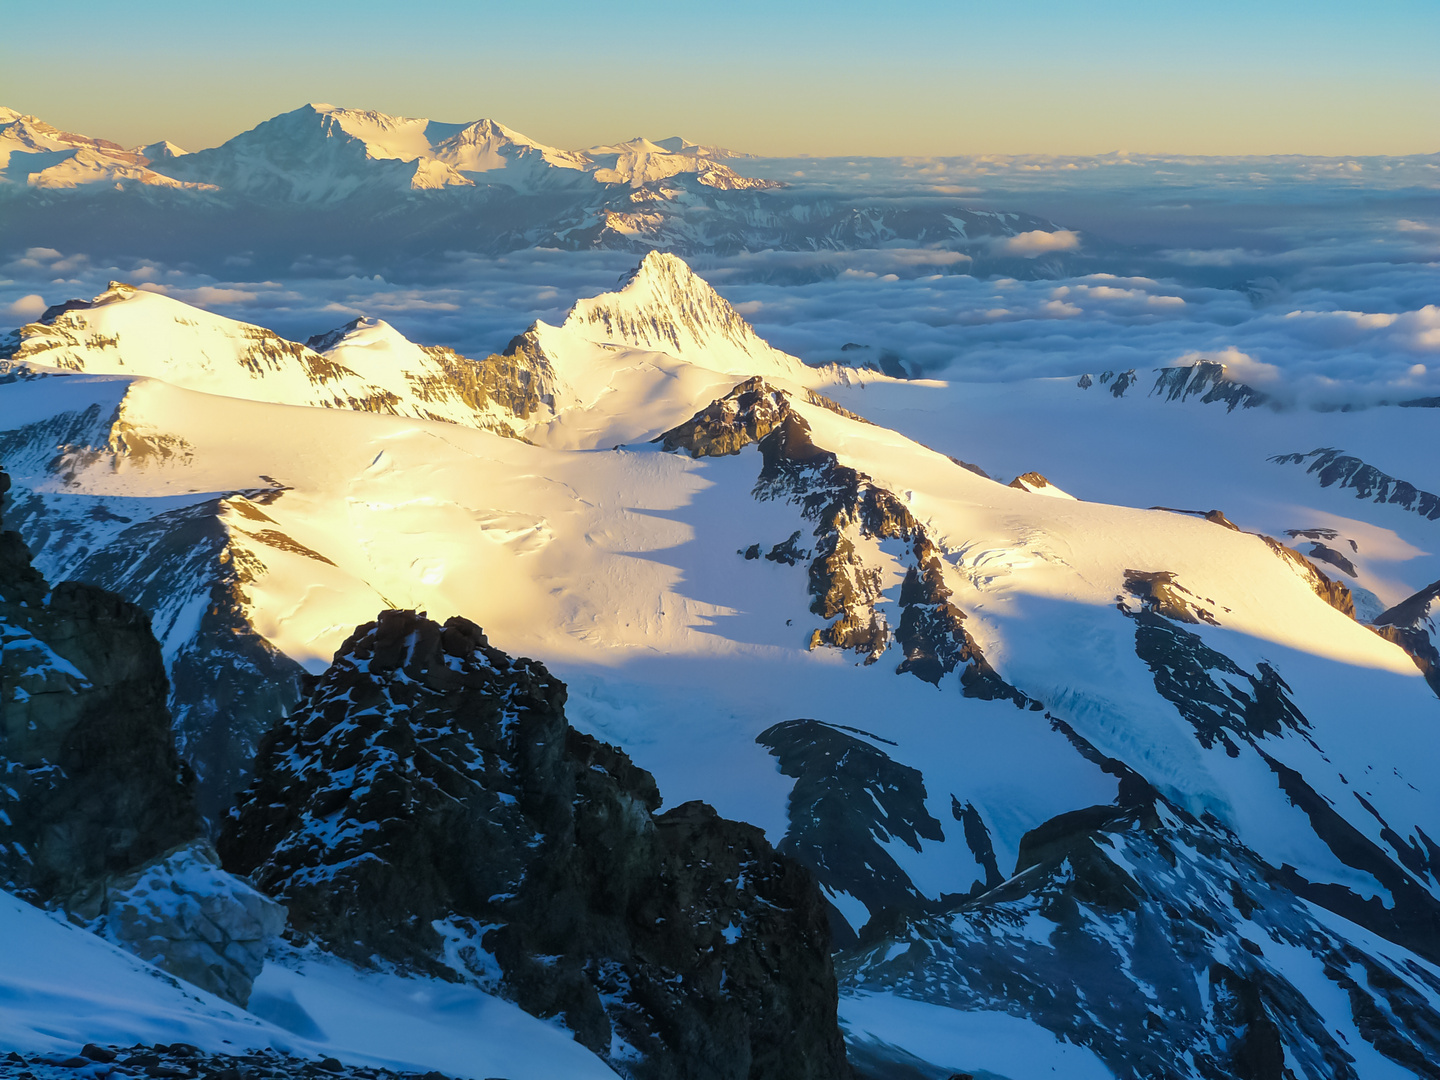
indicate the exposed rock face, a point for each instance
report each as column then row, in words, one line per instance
column 1334, row 593
column 1159, row 592
column 227, row 683
column 847, row 508
column 92, row 782
column 1410, row 625
column 1031, row 481
column 429, row 805
column 183, row 913
column 849, row 799
column 97, row 811
column 1162, row 944
column 729, row 424
column 1331, row 466
column 1208, row 381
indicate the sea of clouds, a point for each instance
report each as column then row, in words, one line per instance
column 1317, row 280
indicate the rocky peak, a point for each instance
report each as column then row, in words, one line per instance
column 727, row 425
column 428, row 805
column 1411, row 625
column 664, row 306
column 326, row 341
column 1208, row 380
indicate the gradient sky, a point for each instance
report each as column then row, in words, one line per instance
column 777, row 77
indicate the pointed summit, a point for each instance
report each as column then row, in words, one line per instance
column 664, row 306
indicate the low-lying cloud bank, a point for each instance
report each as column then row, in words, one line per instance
column 1273, row 266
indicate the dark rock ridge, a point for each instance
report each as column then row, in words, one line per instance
column 1334, row 593
column 1162, row 944
column 90, row 783
column 97, row 810
column 1207, row 380
column 1204, row 379
column 1238, row 710
column 183, row 1061
column 1216, row 517
column 845, row 505
column 1410, row 625
column 849, row 800
column 1030, row 481
column 1331, row 467
column 227, row 683
column 428, row 805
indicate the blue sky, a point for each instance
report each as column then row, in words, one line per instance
column 844, row 77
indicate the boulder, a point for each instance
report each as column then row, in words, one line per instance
column 184, row 914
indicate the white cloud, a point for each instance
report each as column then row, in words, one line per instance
column 27, row 308
column 1239, row 366
column 1038, row 242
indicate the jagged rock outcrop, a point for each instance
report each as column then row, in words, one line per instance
column 1334, row 593
column 1165, row 946
column 92, row 782
column 1206, row 379
column 846, row 507
column 227, row 683
column 729, row 424
column 1410, row 625
column 428, row 805
column 1331, row 467
column 850, row 800
column 97, row 810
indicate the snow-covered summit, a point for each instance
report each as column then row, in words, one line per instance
column 324, row 153
column 665, row 306
column 639, row 162
column 366, row 365
column 34, row 154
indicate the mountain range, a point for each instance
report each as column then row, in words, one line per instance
column 1094, row 774
column 324, row 180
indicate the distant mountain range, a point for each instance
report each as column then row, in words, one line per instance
column 324, row 179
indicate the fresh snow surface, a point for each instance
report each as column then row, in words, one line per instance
column 619, row 566
column 38, row 155
column 368, row 365
column 989, row 1044
column 61, row 987
column 322, row 153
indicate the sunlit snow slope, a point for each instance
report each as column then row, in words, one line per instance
column 997, row 724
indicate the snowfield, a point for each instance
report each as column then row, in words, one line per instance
column 61, row 987
column 336, row 490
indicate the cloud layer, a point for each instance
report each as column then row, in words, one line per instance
column 1317, row 279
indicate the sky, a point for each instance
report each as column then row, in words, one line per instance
column 842, row 77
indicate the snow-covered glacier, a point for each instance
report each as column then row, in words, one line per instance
column 1108, row 739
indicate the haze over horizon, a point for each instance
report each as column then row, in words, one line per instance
column 923, row 79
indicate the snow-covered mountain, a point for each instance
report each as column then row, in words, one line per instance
column 35, row 154
column 322, row 179
column 324, row 154
column 1146, row 780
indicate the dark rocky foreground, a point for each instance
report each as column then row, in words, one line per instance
column 429, row 806
column 179, row 1061
column 97, row 810
column 93, row 784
